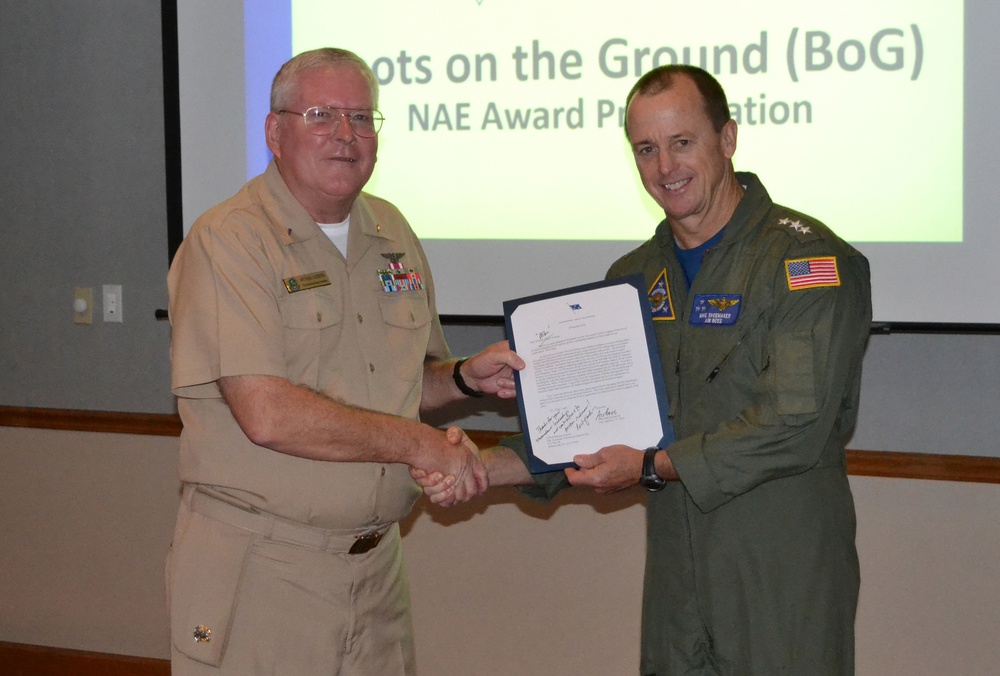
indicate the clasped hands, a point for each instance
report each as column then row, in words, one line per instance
column 611, row 469
column 462, row 476
column 457, row 474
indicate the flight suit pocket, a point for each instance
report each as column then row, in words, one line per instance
column 407, row 318
column 206, row 569
column 795, row 373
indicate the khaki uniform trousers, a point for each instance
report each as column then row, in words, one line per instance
column 254, row 594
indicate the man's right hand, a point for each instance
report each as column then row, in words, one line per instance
column 503, row 468
column 457, row 476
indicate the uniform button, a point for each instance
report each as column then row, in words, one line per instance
column 319, row 316
column 360, row 318
column 383, row 471
column 371, row 367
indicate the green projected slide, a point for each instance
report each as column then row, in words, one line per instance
column 503, row 117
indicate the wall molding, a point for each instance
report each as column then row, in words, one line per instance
column 155, row 424
column 19, row 659
column 890, row 464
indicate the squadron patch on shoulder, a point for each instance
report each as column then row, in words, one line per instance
column 810, row 273
column 660, row 303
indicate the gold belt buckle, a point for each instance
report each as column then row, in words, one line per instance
column 366, row 543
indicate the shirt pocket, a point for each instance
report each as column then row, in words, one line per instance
column 407, row 318
column 313, row 321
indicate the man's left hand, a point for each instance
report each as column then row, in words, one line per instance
column 492, row 370
column 611, row 469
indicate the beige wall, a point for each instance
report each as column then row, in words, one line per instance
column 504, row 587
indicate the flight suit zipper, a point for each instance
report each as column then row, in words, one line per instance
column 725, row 358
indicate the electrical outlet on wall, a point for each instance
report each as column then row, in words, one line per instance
column 112, row 302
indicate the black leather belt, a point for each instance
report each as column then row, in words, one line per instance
column 366, row 543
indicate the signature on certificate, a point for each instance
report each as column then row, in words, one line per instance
column 573, row 418
column 542, row 336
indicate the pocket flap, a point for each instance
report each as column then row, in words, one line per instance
column 206, row 571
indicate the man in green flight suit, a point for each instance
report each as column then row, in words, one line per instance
column 761, row 316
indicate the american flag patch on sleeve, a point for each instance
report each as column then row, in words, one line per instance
column 809, row 273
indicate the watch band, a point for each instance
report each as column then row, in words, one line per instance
column 650, row 480
column 456, row 374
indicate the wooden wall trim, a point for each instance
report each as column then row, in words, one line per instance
column 938, row 467
column 156, row 424
column 890, row 464
column 18, row 659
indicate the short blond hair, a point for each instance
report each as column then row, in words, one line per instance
column 285, row 81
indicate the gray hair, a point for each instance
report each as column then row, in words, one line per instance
column 283, row 87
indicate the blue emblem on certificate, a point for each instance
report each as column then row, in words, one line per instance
column 660, row 304
column 714, row 309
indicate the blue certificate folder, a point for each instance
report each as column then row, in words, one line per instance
column 637, row 285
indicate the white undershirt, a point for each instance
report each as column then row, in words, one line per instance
column 337, row 232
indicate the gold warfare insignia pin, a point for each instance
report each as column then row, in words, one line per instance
column 722, row 303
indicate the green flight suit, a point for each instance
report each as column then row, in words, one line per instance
column 751, row 566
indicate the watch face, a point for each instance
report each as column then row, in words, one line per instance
column 652, row 483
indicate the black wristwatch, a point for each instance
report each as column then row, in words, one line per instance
column 650, row 480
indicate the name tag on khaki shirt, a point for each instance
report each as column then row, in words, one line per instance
column 310, row 280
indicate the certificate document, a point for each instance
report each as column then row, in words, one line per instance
column 592, row 376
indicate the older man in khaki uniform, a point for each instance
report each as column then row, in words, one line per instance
column 305, row 345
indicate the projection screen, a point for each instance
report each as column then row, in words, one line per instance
column 503, row 141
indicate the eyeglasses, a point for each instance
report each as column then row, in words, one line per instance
column 323, row 120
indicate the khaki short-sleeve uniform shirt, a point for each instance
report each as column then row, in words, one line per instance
column 257, row 288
